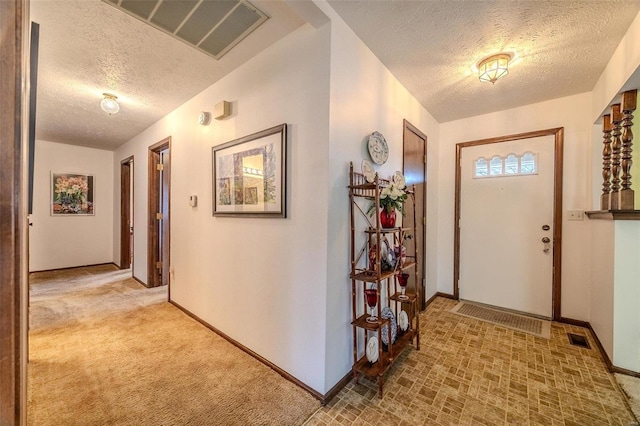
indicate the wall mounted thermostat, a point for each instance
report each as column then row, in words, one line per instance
column 193, row 200
column 222, row 110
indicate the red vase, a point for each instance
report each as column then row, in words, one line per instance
column 388, row 220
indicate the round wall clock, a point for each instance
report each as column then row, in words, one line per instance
column 378, row 148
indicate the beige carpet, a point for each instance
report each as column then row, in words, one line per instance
column 104, row 350
column 631, row 388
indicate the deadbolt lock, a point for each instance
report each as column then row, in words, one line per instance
column 545, row 227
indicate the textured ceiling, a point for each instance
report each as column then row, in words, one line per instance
column 88, row 47
column 431, row 47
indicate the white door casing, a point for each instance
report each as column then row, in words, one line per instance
column 502, row 258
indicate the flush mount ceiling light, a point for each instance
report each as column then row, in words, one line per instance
column 109, row 104
column 494, row 67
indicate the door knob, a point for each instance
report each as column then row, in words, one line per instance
column 547, row 245
column 546, row 240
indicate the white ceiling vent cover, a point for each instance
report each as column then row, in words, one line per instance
column 211, row 26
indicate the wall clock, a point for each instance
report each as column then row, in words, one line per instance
column 378, row 148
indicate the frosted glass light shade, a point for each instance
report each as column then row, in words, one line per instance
column 493, row 68
column 109, row 104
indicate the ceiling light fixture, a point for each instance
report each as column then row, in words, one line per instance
column 494, row 67
column 109, row 104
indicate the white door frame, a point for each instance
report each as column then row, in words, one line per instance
column 558, row 134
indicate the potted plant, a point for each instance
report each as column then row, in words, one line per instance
column 392, row 198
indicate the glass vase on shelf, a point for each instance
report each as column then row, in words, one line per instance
column 388, row 219
column 392, row 198
column 403, row 279
column 371, row 294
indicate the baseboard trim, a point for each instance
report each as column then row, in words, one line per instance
column 624, row 371
column 139, row 280
column 587, row 325
column 439, row 294
column 579, row 323
column 612, row 368
column 75, row 267
column 263, row 360
column 336, row 388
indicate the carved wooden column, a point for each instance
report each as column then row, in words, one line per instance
column 605, row 198
column 628, row 107
column 616, row 146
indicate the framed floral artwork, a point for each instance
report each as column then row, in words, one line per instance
column 249, row 175
column 72, row 194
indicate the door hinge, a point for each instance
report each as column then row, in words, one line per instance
column 159, row 265
column 424, row 159
column 160, row 167
column 159, row 216
column 424, row 220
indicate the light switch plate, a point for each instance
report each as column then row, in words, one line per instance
column 576, row 215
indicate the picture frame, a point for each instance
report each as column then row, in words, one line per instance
column 250, row 175
column 72, row 194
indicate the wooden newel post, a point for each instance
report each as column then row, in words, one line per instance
column 616, row 147
column 628, row 107
column 605, row 198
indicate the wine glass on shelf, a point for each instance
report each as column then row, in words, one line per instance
column 403, row 279
column 371, row 294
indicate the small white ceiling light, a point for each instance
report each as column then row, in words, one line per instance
column 494, row 67
column 109, row 104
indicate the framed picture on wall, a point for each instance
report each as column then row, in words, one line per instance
column 72, row 194
column 249, row 175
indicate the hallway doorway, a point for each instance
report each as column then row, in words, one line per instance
column 126, row 213
column 415, row 169
column 159, row 213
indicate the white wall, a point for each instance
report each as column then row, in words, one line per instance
column 572, row 113
column 626, row 296
column 622, row 66
column 260, row 281
column 601, row 283
column 365, row 97
column 614, row 253
column 66, row 241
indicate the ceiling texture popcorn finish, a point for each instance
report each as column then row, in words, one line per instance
column 431, row 47
column 88, row 47
column 212, row 26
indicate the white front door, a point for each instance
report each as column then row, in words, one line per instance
column 504, row 218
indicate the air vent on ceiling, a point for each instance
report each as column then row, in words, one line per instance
column 211, row 26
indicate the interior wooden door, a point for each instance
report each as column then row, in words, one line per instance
column 13, row 258
column 158, row 231
column 164, row 209
column 126, row 218
column 414, row 169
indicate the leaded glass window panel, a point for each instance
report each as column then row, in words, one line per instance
column 495, row 166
